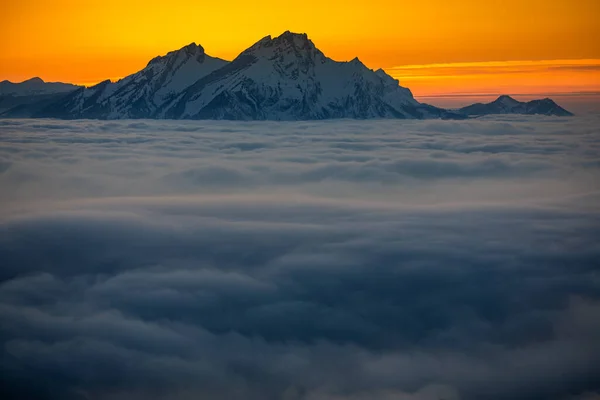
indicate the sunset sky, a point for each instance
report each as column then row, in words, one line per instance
column 435, row 47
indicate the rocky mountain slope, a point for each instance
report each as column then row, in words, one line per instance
column 288, row 78
column 139, row 95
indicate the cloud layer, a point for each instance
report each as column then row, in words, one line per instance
column 332, row 260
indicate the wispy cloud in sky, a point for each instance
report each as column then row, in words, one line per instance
column 535, row 78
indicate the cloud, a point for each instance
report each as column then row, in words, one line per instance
column 572, row 83
column 493, row 67
column 344, row 259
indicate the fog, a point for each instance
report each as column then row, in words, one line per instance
column 347, row 259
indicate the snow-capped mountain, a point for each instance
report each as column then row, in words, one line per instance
column 34, row 86
column 508, row 105
column 142, row 94
column 281, row 78
column 288, row 78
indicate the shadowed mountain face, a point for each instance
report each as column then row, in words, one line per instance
column 282, row 78
column 508, row 105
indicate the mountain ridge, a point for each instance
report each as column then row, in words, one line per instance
column 35, row 85
column 277, row 78
column 24, row 98
column 505, row 104
column 289, row 78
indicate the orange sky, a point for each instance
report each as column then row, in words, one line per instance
column 433, row 46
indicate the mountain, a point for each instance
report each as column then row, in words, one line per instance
column 508, row 105
column 142, row 94
column 31, row 95
column 288, row 78
column 281, row 78
column 34, row 86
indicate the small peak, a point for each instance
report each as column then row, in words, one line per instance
column 191, row 50
column 506, row 98
column 289, row 34
column 356, row 62
column 298, row 41
column 34, row 80
column 101, row 84
column 193, row 47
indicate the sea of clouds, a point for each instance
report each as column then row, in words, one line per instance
column 405, row 260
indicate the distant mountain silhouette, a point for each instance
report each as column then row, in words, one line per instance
column 34, row 86
column 282, row 78
column 508, row 105
column 30, row 95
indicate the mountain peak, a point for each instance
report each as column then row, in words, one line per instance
column 297, row 40
column 287, row 40
column 288, row 35
column 506, row 100
column 191, row 50
column 505, row 97
column 547, row 100
column 34, row 80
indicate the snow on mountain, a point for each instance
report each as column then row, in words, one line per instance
column 507, row 105
column 282, row 78
column 288, row 78
column 139, row 95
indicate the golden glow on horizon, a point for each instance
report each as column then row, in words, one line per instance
column 453, row 43
column 498, row 77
